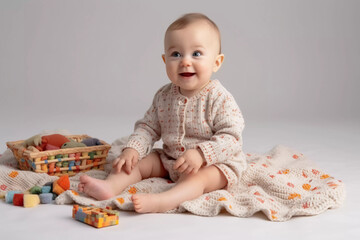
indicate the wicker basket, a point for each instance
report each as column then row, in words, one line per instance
column 59, row 162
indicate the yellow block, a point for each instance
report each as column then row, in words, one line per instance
column 31, row 200
column 100, row 224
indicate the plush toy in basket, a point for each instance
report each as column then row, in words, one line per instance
column 57, row 154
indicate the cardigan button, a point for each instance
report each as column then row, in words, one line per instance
column 182, row 149
column 182, row 102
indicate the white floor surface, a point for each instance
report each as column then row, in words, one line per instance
column 332, row 146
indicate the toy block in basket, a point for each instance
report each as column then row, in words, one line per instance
column 44, row 156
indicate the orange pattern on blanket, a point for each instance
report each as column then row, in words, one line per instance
column 120, row 200
column 324, row 176
column 13, row 174
column 75, row 192
column 294, row 195
column 132, row 190
column 273, row 212
column 222, row 199
column 286, row 171
column 306, row 187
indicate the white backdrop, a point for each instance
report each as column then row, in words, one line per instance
column 93, row 66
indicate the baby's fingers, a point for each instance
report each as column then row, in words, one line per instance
column 180, row 161
column 116, row 161
column 118, row 164
column 194, row 171
column 189, row 170
column 128, row 166
column 183, row 167
column 134, row 162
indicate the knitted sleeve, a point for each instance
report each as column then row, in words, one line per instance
column 147, row 131
column 228, row 126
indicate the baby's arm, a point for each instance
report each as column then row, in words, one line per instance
column 139, row 144
column 228, row 125
column 147, row 131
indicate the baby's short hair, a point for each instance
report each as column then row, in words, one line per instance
column 189, row 18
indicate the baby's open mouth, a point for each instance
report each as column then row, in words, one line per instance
column 187, row 74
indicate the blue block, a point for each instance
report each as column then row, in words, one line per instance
column 80, row 215
column 46, row 189
column 46, row 198
column 10, row 196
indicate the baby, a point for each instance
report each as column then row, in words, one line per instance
column 197, row 118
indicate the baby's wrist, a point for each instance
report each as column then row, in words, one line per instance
column 130, row 149
column 202, row 155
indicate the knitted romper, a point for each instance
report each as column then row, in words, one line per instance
column 210, row 121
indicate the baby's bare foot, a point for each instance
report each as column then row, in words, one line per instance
column 150, row 203
column 146, row 203
column 96, row 188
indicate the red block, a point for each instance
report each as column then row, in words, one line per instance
column 18, row 199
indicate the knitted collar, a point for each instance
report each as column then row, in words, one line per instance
column 203, row 92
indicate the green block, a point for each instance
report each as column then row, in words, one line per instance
column 35, row 190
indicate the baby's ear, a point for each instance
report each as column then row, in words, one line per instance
column 163, row 57
column 218, row 62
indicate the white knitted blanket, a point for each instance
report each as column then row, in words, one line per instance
column 281, row 183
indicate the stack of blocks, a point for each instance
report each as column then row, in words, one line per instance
column 37, row 195
column 96, row 217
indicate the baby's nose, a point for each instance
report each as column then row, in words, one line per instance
column 186, row 62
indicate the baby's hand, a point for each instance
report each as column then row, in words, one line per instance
column 129, row 157
column 190, row 162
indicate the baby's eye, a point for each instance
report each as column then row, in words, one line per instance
column 175, row 54
column 197, row 54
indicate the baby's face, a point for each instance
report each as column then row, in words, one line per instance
column 191, row 56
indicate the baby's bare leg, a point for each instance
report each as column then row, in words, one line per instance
column 188, row 187
column 115, row 183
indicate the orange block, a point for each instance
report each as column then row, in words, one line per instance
column 61, row 185
column 64, row 182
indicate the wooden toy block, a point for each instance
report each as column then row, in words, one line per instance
column 96, row 217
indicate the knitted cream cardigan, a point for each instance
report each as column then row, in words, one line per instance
column 211, row 121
